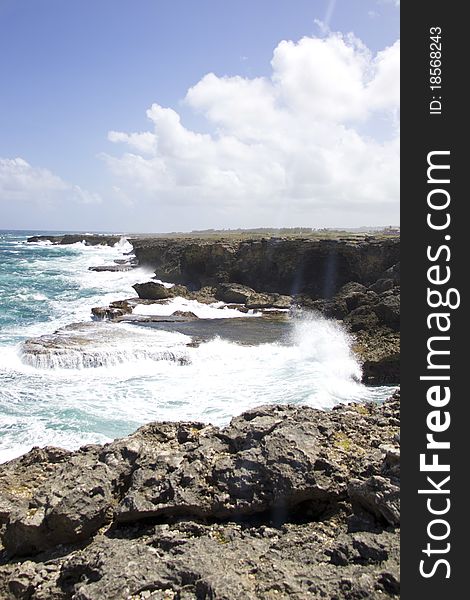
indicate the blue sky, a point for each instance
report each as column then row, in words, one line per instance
column 73, row 71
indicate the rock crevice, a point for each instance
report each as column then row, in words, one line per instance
column 286, row 497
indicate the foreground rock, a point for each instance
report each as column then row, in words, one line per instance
column 285, row 502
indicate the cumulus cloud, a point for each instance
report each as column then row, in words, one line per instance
column 315, row 143
column 145, row 142
column 22, row 182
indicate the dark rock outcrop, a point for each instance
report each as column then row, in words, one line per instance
column 286, row 500
column 112, row 268
column 73, row 238
column 234, row 293
column 242, row 294
column 185, row 314
column 315, row 267
column 152, row 290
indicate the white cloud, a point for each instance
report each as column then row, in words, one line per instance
column 21, row 182
column 142, row 142
column 84, row 196
column 289, row 149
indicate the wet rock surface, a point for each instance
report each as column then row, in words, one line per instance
column 285, row 502
column 97, row 344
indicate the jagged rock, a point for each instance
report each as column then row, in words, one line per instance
column 343, row 306
column 124, row 305
column 234, row 293
column 348, row 289
column 271, row 458
column 379, row 352
column 275, row 489
column 355, row 295
column 206, row 295
column 152, row 291
column 241, row 307
column 362, row 318
column 74, row 504
column 382, row 370
column 114, row 568
column 332, row 309
column 360, row 548
column 109, row 312
column 256, row 301
column 19, row 477
column 391, row 464
column 186, row 314
column 377, row 495
column 190, row 560
column 382, row 285
column 388, row 311
column 264, row 474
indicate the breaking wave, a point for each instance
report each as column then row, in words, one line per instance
column 99, row 381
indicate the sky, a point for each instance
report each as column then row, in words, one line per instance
column 174, row 115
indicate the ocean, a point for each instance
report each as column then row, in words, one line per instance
column 114, row 377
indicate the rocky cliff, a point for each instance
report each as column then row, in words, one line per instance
column 315, row 267
column 285, row 502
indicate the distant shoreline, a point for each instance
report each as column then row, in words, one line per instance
column 262, row 232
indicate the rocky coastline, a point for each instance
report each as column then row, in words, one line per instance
column 285, row 502
column 355, row 280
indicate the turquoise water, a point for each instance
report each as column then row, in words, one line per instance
column 66, row 403
column 26, row 293
column 36, row 282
